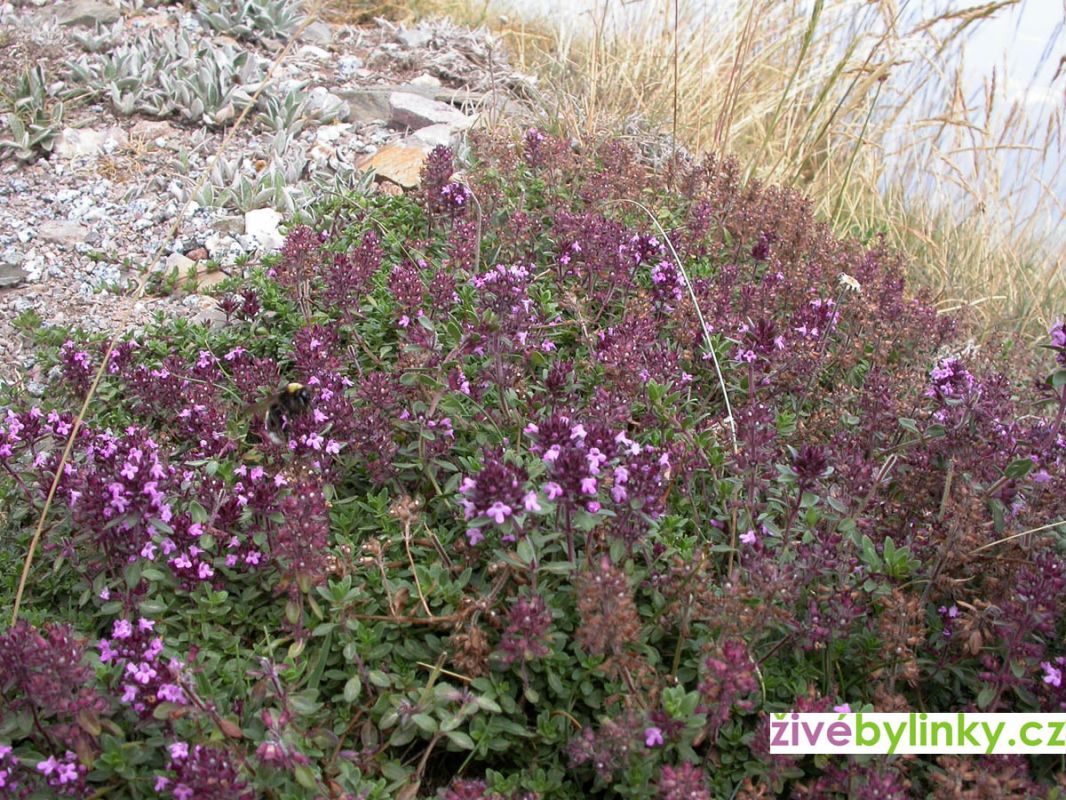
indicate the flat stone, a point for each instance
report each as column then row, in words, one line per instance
column 366, row 104
column 398, row 163
column 231, row 225
column 75, row 142
column 415, row 111
column 86, row 13
column 319, row 33
column 432, row 136
column 460, row 98
column 180, row 263
column 11, row 275
column 205, row 280
column 63, row 231
column 426, row 81
column 262, row 225
column 321, row 100
column 331, row 133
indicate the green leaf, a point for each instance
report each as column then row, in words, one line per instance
column 1018, row 468
column 909, row 425
column 461, row 740
column 985, row 696
column 352, row 689
column 425, row 723
column 379, row 679
column 305, row 776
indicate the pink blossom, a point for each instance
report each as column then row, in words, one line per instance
column 1052, row 674
column 498, row 512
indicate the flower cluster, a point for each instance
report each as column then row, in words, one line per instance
column 617, row 468
column 146, row 681
column 729, row 681
column 44, row 672
column 64, row 776
column 608, row 748
column 78, row 368
column 10, row 769
column 497, row 495
column 199, row 771
column 666, row 285
column 683, row 782
column 526, row 636
column 950, row 380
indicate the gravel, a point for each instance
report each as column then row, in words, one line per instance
column 80, row 229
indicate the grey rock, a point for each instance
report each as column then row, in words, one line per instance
column 331, row 133
column 433, row 136
column 366, row 104
column 63, row 231
column 321, row 101
column 426, row 81
column 415, row 111
column 86, row 13
column 229, row 225
column 182, row 263
column 11, row 275
column 262, row 225
column 415, row 38
column 319, row 33
column 74, row 142
column 348, row 65
column 211, row 317
column 313, row 53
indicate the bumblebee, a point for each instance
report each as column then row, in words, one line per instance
column 277, row 412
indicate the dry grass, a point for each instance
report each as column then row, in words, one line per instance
column 850, row 100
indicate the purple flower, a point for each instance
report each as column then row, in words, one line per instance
column 1052, row 674
column 653, row 737
column 530, row 502
column 950, row 380
column 474, row 536
column 749, row 537
column 498, row 512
